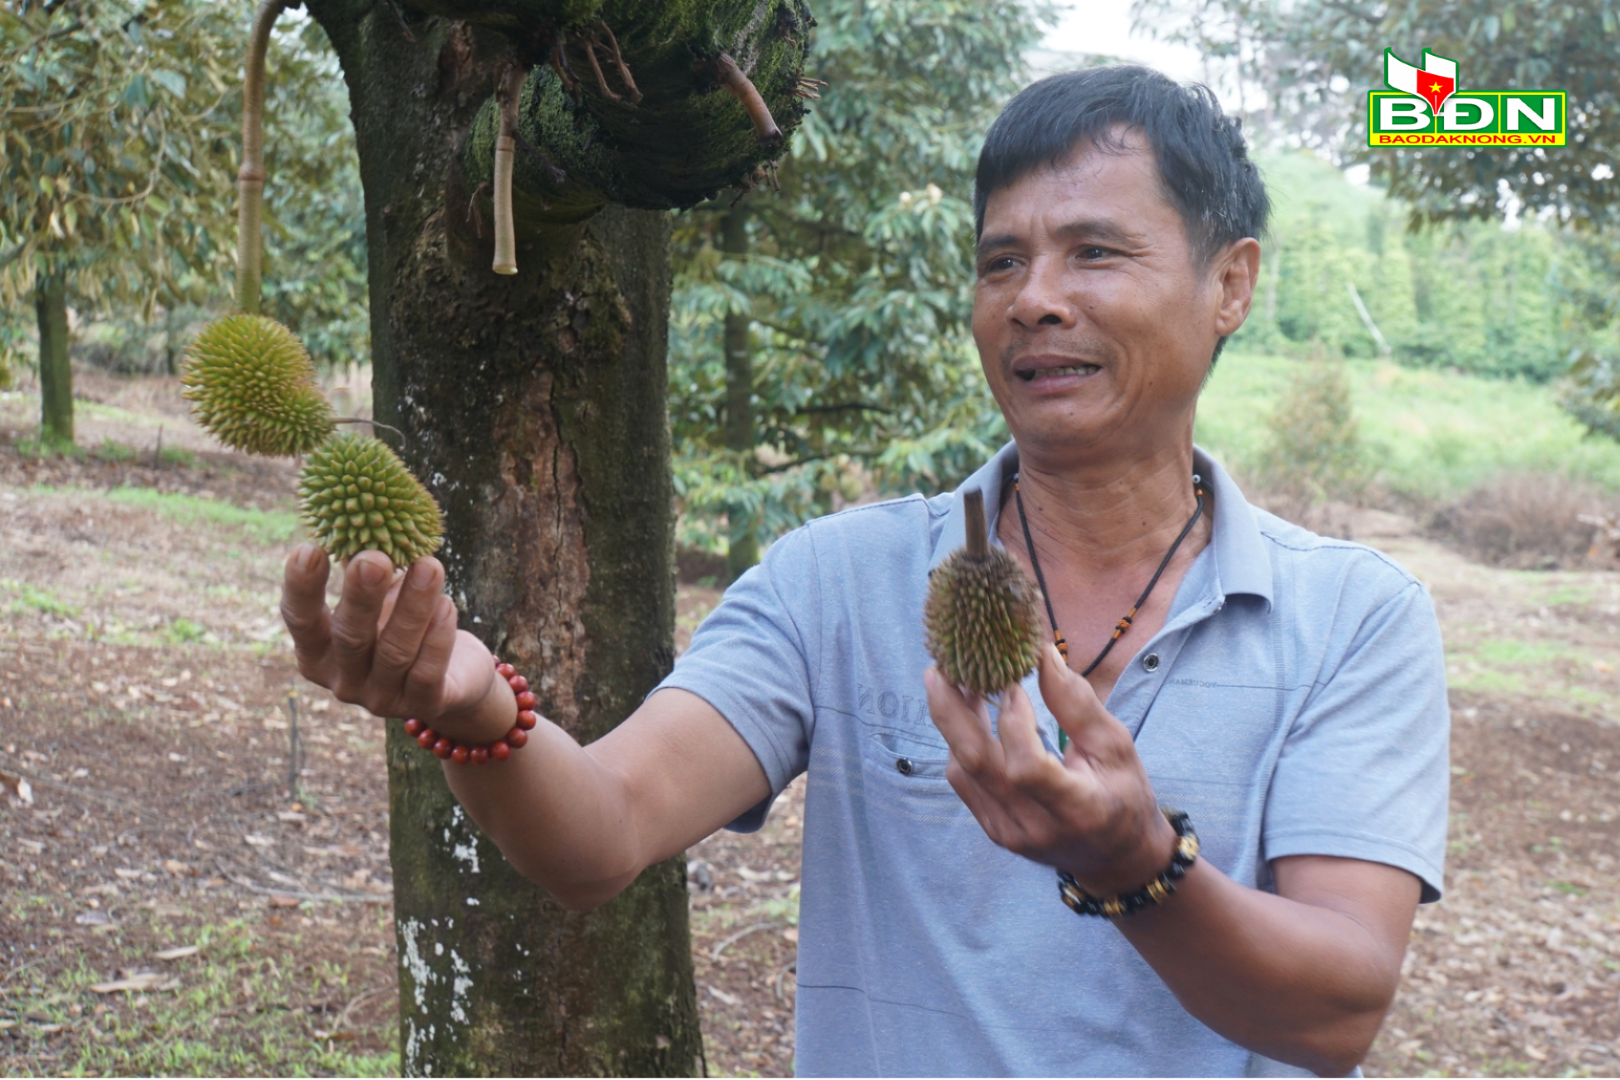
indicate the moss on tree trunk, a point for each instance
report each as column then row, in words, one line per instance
column 55, row 369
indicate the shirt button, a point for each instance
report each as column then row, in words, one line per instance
column 1150, row 662
column 904, row 765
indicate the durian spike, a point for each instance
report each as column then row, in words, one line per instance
column 978, row 534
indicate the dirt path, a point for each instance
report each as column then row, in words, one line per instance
column 1518, row 970
column 143, row 692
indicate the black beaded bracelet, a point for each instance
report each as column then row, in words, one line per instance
column 1154, row 892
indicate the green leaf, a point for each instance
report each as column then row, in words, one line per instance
column 172, row 81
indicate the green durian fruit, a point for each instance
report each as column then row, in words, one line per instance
column 984, row 629
column 355, row 494
column 251, row 385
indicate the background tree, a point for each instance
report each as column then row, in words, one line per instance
column 1317, row 59
column 820, row 339
column 534, row 405
column 113, row 181
column 119, row 130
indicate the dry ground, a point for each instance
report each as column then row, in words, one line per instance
column 143, row 698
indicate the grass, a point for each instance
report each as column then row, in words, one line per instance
column 1429, row 434
column 26, row 598
column 273, row 528
column 236, row 1012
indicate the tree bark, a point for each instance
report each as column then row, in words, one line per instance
column 742, row 549
column 55, row 369
column 535, row 407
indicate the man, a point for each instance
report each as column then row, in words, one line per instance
column 1283, row 690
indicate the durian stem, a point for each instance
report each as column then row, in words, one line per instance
column 250, row 178
column 505, row 149
column 373, row 423
column 978, row 535
column 746, row 93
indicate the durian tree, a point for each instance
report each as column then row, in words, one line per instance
column 547, row 139
column 820, row 337
column 113, row 184
column 119, row 136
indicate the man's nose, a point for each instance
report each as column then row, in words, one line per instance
column 1042, row 299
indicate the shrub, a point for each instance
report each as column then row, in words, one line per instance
column 1530, row 521
column 1314, row 453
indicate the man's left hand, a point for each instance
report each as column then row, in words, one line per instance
column 1093, row 813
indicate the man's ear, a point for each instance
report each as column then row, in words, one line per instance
column 1236, row 270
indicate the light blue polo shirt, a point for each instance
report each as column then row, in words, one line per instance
column 1293, row 704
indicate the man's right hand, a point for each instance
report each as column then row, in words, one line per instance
column 392, row 646
column 581, row 822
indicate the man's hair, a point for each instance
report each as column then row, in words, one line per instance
column 1202, row 158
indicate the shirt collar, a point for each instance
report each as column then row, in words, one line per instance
column 1242, row 564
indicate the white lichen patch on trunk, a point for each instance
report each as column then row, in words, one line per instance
column 459, row 987
column 463, row 851
column 421, row 974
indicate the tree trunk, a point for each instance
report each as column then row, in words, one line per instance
column 743, row 549
column 534, row 407
column 55, row 369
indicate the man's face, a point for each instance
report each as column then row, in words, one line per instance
column 1094, row 319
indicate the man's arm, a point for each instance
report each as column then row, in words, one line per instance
column 581, row 822
column 1304, row 976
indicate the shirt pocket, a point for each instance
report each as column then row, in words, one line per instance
column 908, row 754
column 906, row 793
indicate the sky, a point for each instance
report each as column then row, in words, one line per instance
column 1104, row 26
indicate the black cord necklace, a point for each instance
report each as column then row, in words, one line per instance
column 1124, row 624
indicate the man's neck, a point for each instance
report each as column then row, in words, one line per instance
column 1104, row 518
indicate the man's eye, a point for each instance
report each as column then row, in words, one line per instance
column 998, row 264
column 1092, row 253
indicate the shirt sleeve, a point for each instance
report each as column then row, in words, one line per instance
column 1365, row 770
column 753, row 658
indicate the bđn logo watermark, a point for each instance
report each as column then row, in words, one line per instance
column 1423, row 107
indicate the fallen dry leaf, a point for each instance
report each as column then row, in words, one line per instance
column 178, row 954
column 257, row 840
column 32, row 847
column 279, row 900
column 729, row 999
column 92, row 918
column 20, row 787
column 146, row 980
column 176, row 867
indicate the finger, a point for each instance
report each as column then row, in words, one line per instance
column 964, row 724
column 996, row 812
column 304, row 610
column 1029, row 766
column 417, row 602
column 424, row 683
column 390, row 600
column 354, row 624
column 1073, row 703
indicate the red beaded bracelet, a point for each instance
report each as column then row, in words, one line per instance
column 501, row 749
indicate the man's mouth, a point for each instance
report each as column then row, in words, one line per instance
column 1069, row 369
